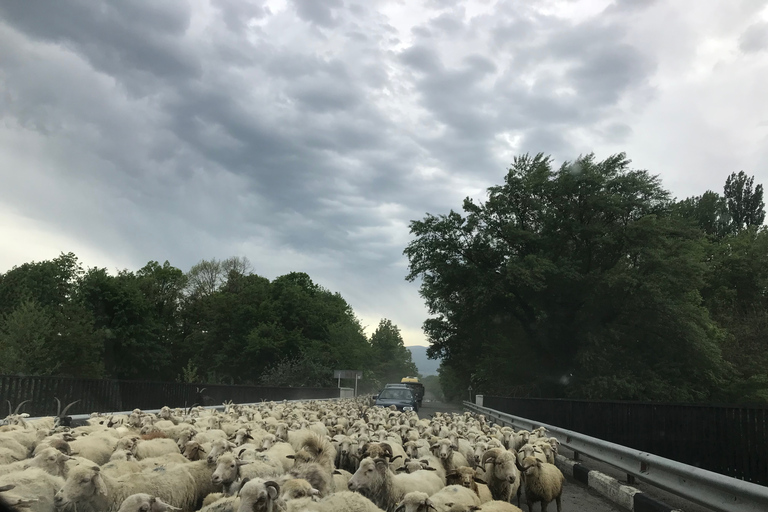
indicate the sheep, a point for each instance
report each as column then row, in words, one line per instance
column 341, row 478
column 259, row 495
column 543, row 483
column 218, row 448
column 49, row 460
column 344, row 501
column 393, row 452
column 11, row 450
column 546, row 449
column 34, row 483
column 145, row 503
column 531, row 450
column 346, row 455
column 281, row 452
column 316, row 474
column 503, row 477
column 89, row 490
column 145, row 449
column 466, row 476
column 230, row 469
column 375, row 481
column 491, row 506
column 441, row 501
column 444, row 449
column 297, row 488
column 14, row 501
column 96, row 447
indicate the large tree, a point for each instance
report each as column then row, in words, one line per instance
column 744, row 201
column 572, row 281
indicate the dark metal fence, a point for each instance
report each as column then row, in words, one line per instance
column 730, row 440
column 124, row 395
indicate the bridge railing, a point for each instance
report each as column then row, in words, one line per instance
column 709, row 489
column 100, row 395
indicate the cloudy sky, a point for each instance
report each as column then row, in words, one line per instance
column 306, row 134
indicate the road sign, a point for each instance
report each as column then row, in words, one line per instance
column 347, row 374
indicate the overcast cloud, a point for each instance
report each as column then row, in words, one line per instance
column 306, row 134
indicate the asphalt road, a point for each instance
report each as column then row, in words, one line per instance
column 576, row 497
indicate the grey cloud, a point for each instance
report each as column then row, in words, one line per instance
column 306, row 148
column 755, row 38
column 320, row 13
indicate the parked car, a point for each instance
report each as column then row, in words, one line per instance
column 401, row 397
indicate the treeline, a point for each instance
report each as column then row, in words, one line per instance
column 217, row 323
column 590, row 281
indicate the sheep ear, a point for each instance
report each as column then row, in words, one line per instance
column 314, row 492
column 290, row 457
column 273, row 489
column 8, row 487
column 538, row 463
column 101, row 487
column 429, row 468
column 401, row 468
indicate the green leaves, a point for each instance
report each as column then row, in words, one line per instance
column 575, row 281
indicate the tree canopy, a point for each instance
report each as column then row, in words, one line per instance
column 589, row 280
column 217, row 323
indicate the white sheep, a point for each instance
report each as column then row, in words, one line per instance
column 441, row 501
column 543, row 483
column 445, row 450
column 145, row 503
column 258, row 495
column 344, row 501
column 229, row 470
column 154, row 448
column 502, row 475
column 34, row 483
column 375, row 481
column 88, row 489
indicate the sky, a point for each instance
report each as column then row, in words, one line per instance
column 307, row 134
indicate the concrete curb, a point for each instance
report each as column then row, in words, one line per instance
column 625, row 496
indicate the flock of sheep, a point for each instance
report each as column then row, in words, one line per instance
column 301, row 456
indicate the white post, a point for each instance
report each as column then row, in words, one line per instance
column 357, row 377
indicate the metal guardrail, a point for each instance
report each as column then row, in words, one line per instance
column 706, row 488
column 83, row 417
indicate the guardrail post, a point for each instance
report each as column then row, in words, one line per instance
column 576, row 456
column 630, row 479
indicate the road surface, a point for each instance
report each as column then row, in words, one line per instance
column 576, row 497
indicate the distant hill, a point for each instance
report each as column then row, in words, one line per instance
column 425, row 365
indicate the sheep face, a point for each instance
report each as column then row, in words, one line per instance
column 411, row 449
column 51, row 461
column 298, row 488
column 227, row 470
column 258, row 495
column 193, row 451
column 504, row 465
column 463, row 476
column 415, row 502
column 242, row 436
column 218, row 448
column 84, row 483
column 346, row 446
column 443, row 449
column 145, row 503
column 531, row 466
column 370, row 475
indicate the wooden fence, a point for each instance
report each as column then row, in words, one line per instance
column 730, row 440
column 124, row 395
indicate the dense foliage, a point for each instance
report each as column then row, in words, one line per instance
column 217, row 323
column 590, row 281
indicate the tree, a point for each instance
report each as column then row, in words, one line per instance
column 392, row 360
column 709, row 212
column 205, row 277
column 25, row 339
column 576, row 280
column 744, row 201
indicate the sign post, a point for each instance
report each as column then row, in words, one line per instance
column 348, row 374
